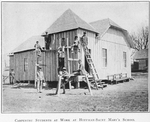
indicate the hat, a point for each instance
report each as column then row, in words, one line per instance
column 64, row 68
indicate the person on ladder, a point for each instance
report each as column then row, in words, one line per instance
column 75, row 46
column 38, row 48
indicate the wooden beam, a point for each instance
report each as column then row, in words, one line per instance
column 68, row 62
column 88, row 83
column 58, row 86
column 70, row 59
column 68, row 47
column 35, row 69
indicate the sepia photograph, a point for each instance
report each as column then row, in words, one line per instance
column 74, row 57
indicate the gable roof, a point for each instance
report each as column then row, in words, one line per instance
column 67, row 21
column 142, row 54
column 103, row 25
column 29, row 44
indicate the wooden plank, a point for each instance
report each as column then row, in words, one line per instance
column 68, row 62
column 58, row 86
column 32, row 66
column 56, row 69
column 35, row 59
column 44, row 69
column 50, row 66
column 89, row 87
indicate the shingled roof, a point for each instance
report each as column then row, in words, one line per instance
column 29, row 44
column 103, row 25
column 142, row 54
column 67, row 21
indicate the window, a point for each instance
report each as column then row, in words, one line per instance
column 104, row 56
column 25, row 64
column 125, row 59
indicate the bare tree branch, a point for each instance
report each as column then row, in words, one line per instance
column 141, row 38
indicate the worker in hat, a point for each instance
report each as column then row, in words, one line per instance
column 12, row 76
column 65, row 78
column 38, row 48
column 84, row 39
column 61, row 59
column 75, row 46
column 40, row 79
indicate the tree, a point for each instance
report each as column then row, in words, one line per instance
column 141, row 38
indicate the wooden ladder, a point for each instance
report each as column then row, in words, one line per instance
column 92, row 68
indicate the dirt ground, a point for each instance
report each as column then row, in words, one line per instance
column 123, row 97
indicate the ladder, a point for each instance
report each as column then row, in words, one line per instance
column 92, row 67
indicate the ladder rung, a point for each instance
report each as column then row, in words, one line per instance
column 91, row 66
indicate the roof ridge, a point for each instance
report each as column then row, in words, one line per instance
column 109, row 22
column 74, row 16
column 63, row 24
column 99, row 20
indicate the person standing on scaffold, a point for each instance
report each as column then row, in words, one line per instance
column 61, row 53
column 75, row 46
column 62, row 44
column 84, row 41
column 38, row 50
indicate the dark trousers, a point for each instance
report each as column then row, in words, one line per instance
column 61, row 63
column 64, row 81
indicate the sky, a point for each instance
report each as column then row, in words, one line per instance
column 22, row 20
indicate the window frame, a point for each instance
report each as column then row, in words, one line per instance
column 104, row 57
column 25, row 64
column 124, row 59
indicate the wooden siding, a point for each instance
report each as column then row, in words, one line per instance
column 115, row 43
column 48, row 62
column 91, row 43
column 11, row 62
column 56, row 38
column 20, row 73
column 49, row 59
column 142, row 64
column 51, row 66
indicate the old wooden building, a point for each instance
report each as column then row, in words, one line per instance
column 140, row 60
column 108, row 43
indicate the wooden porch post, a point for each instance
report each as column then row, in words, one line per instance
column 58, row 86
column 68, row 61
column 89, row 87
column 35, row 69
